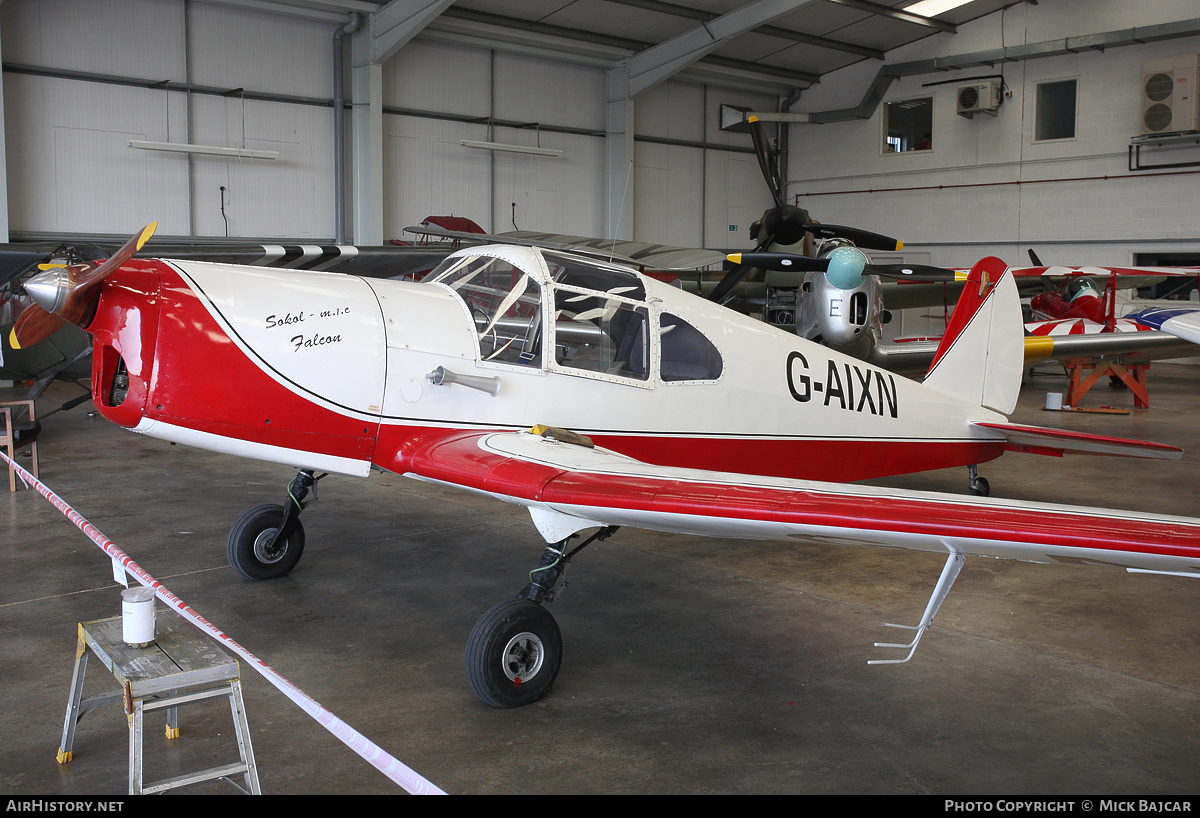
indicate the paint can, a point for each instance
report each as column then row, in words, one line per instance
column 137, row 616
column 1054, row 400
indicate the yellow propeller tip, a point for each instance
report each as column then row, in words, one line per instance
column 752, row 118
column 146, row 233
column 736, row 258
column 899, row 245
column 12, row 338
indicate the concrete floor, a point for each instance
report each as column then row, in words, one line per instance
column 691, row 665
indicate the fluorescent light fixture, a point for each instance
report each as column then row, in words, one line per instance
column 932, row 8
column 498, row 146
column 208, row 150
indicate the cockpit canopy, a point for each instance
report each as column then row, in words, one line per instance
column 599, row 321
column 1080, row 287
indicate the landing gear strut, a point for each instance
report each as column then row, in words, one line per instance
column 979, row 485
column 268, row 540
column 515, row 649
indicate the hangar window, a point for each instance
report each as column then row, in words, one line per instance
column 685, row 354
column 1055, row 110
column 908, row 125
column 504, row 303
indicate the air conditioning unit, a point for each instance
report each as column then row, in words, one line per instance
column 979, row 98
column 1169, row 95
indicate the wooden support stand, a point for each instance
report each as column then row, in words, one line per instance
column 1132, row 375
column 182, row 666
column 9, row 432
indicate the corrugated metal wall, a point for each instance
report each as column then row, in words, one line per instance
column 71, row 170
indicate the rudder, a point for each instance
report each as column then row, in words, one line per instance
column 982, row 354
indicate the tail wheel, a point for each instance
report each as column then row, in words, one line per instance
column 513, row 654
column 250, row 549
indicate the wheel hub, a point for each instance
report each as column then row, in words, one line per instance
column 264, row 551
column 523, row 657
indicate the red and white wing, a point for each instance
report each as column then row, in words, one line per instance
column 1127, row 277
column 1057, row 327
column 570, row 487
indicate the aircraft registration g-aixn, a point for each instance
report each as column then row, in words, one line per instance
column 653, row 408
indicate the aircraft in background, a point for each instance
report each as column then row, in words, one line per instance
column 1182, row 322
column 1074, row 312
column 596, row 397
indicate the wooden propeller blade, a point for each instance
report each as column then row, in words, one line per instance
column 90, row 278
column 33, row 324
column 36, row 323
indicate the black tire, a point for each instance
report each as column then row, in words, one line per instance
column 250, row 537
column 513, row 638
column 981, row 488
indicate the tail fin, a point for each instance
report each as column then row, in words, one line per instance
column 982, row 354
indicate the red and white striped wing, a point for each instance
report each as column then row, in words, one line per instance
column 569, row 488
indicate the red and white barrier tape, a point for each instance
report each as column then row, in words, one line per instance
column 380, row 759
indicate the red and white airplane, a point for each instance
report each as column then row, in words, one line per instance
column 592, row 395
column 1076, row 306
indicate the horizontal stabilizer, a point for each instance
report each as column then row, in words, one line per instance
column 1057, row 442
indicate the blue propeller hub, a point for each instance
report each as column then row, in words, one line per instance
column 846, row 265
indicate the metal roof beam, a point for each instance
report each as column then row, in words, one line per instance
column 897, row 14
column 398, row 22
column 560, row 42
column 771, row 31
column 286, row 10
column 657, row 64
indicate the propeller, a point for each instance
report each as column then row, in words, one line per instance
column 64, row 295
column 844, row 267
column 787, row 224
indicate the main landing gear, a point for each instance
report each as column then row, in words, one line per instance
column 979, row 485
column 515, row 649
column 268, row 540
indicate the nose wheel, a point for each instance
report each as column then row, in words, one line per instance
column 255, row 549
column 267, row 541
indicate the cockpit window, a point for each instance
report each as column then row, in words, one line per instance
column 598, row 334
column 685, row 354
column 571, row 272
column 504, row 302
column 1080, row 286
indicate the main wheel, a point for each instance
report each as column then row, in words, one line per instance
column 249, row 548
column 980, row 488
column 513, row 653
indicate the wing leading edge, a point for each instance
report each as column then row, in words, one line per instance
column 569, row 488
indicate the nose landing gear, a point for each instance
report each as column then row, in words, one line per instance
column 268, row 540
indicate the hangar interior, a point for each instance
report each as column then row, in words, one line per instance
column 693, row 664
